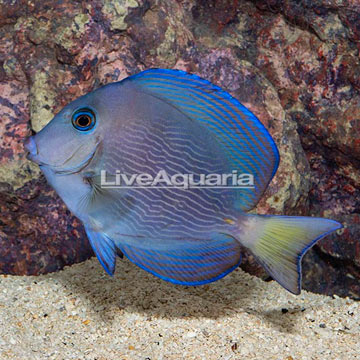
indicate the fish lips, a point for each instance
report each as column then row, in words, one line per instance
column 32, row 150
column 34, row 158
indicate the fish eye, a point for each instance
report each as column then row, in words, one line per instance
column 83, row 119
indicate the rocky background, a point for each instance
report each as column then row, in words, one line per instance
column 294, row 63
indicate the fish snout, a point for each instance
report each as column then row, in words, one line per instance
column 31, row 147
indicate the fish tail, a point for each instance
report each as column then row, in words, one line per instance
column 280, row 242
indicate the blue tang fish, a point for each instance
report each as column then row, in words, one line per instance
column 170, row 122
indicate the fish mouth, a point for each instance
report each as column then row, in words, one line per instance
column 32, row 158
column 32, row 149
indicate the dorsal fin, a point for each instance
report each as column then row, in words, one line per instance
column 244, row 139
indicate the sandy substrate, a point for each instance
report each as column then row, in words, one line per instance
column 81, row 313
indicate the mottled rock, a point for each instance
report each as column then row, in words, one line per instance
column 295, row 64
column 38, row 234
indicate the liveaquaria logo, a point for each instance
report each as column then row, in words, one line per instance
column 162, row 179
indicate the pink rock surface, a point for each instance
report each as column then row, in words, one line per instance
column 294, row 64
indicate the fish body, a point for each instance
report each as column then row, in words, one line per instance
column 172, row 123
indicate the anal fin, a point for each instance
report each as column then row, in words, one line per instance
column 185, row 261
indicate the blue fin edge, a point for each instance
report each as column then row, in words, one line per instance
column 337, row 226
column 223, row 93
column 178, row 282
column 91, row 234
column 309, row 246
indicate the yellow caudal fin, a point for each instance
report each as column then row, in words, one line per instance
column 280, row 242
